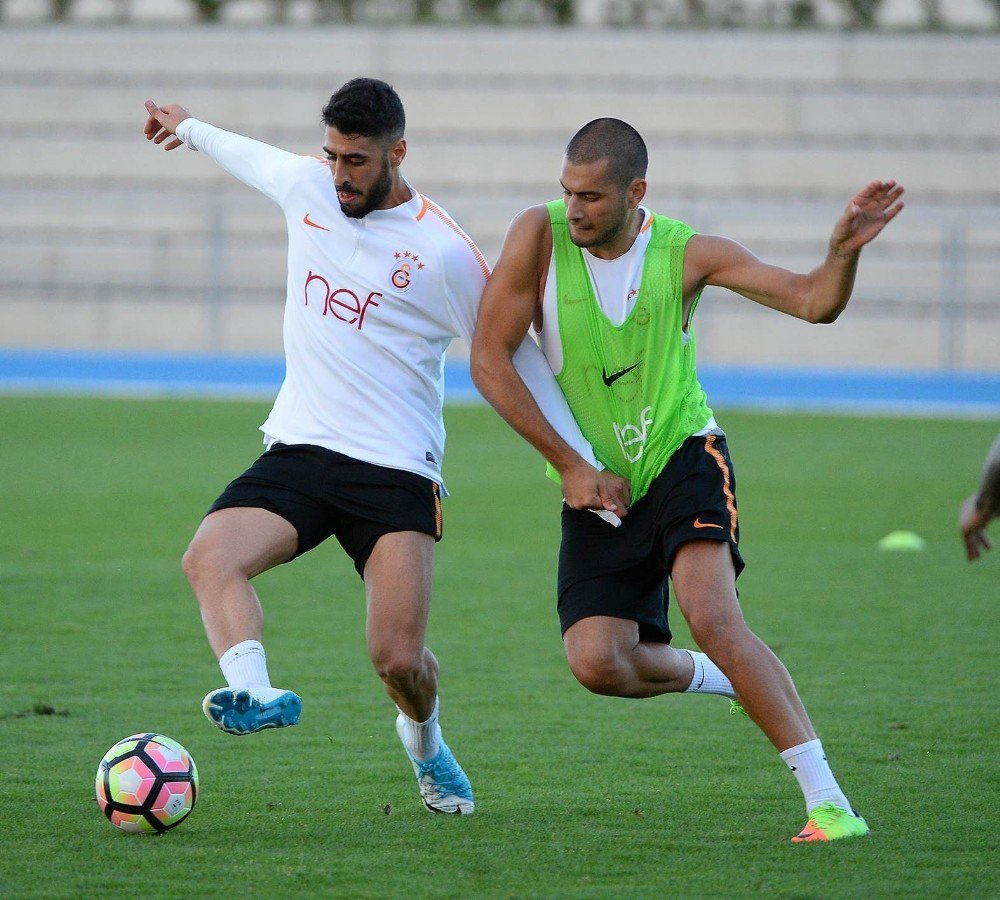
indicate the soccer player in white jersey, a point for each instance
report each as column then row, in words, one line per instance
column 380, row 280
column 613, row 288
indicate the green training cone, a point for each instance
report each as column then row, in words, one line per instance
column 902, row 540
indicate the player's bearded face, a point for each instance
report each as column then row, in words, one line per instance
column 601, row 227
column 597, row 206
column 362, row 172
column 362, row 200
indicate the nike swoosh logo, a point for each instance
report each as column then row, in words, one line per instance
column 309, row 221
column 805, row 835
column 699, row 524
column 611, row 379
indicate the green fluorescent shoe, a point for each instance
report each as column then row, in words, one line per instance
column 829, row 822
column 736, row 709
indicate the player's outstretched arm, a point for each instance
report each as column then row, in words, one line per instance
column 162, row 123
column 507, row 309
column 819, row 296
column 982, row 507
column 267, row 169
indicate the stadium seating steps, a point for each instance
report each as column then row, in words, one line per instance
column 759, row 135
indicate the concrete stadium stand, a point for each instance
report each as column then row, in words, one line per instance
column 107, row 242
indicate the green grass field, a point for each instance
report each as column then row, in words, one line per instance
column 577, row 796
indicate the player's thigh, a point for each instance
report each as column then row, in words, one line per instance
column 608, row 574
column 398, row 577
column 244, row 539
column 704, row 581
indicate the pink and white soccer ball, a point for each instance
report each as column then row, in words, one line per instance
column 147, row 784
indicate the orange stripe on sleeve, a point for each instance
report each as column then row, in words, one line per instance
column 727, row 489
column 444, row 217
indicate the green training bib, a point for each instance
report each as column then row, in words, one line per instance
column 632, row 387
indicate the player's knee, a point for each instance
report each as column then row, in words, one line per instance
column 192, row 563
column 396, row 665
column 600, row 673
column 201, row 562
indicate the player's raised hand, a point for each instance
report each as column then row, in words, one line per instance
column 869, row 211
column 162, row 123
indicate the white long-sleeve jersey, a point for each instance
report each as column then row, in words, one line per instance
column 372, row 305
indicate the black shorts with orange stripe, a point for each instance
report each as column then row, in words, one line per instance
column 623, row 572
column 323, row 493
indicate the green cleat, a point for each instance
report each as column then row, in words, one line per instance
column 736, row 709
column 829, row 822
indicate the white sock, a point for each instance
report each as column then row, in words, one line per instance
column 422, row 739
column 245, row 666
column 708, row 677
column 810, row 768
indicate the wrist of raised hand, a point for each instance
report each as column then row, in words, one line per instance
column 838, row 253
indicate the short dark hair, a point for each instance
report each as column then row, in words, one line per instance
column 368, row 107
column 614, row 140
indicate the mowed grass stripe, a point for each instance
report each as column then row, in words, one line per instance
column 577, row 795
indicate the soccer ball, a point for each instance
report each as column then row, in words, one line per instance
column 147, row 783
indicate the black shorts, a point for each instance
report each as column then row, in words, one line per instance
column 323, row 493
column 622, row 572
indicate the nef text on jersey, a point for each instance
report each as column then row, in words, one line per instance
column 342, row 303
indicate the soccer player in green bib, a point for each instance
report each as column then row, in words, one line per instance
column 611, row 289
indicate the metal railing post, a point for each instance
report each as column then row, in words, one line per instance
column 218, row 245
column 953, row 295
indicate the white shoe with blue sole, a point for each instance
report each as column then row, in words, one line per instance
column 444, row 787
column 238, row 711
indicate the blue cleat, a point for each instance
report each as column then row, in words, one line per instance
column 444, row 787
column 238, row 711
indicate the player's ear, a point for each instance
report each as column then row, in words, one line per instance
column 397, row 153
column 636, row 191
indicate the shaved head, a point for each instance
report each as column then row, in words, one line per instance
column 612, row 140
